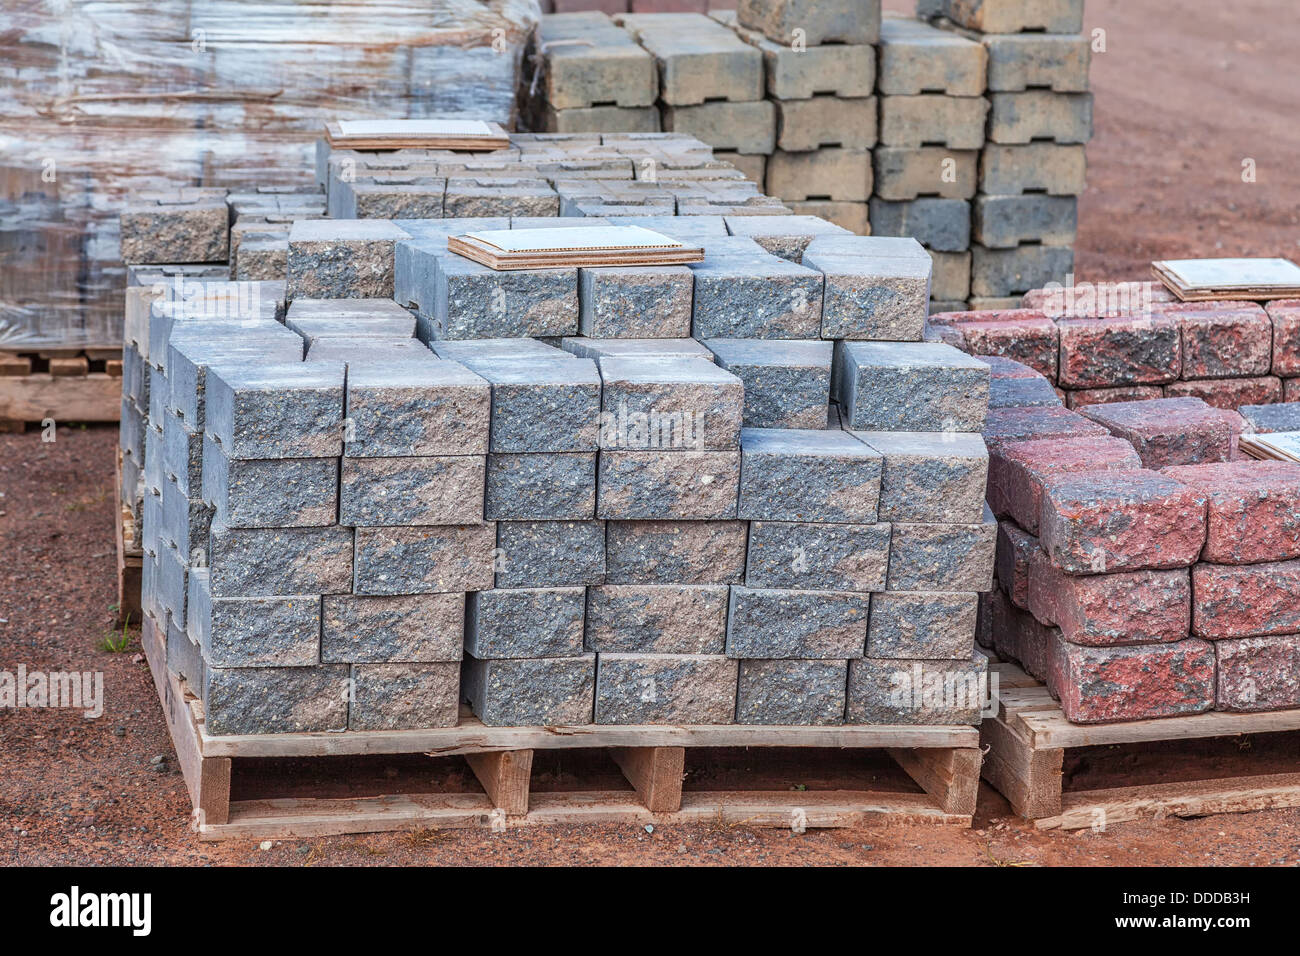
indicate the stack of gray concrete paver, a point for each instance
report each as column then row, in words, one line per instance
column 742, row 490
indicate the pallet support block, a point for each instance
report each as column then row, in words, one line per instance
column 656, row 773
column 505, row 776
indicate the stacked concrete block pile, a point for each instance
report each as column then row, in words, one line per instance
column 738, row 491
column 1142, row 563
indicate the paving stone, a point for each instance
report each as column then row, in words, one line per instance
column 1022, row 393
column 246, row 562
column 1016, row 16
column 1011, row 272
column 1225, row 343
column 188, row 362
column 541, row 486
column 746, row 127
column 542, row 404
column 770, row 623
column 912, row 172
column 657, row 619
column 669, row 403
column 846, row 70
column 943, row 557
column 636, row 119
column 388, row 197
column 1284, row 314
column 315, row 319
column 471, row 301
column 1019, row 118
column 439, row 408
column 158, row 227
column 671, row 552
column 276, row 411
column 1035, row 60
column 544, row 692
column 783, row 236
column 832, row 173
column 472, row 197
column 1271, row 418
column 818, row 21
column 916, row 58
column 1100, row 522
column 402, row 628
column 1037, row 423
column 1258, row 673
column 525, row 622
column 786, row 382
column 819, row 121
column 1019, row 636
column 941, row 224
column 1004, row 222
column 934, row 478
column 1171, row 431
column 441, row 490
column 533, row 554
column 404, row 696
column 269, row 493
column 1022, row 335
column 588, row 61
column 883, row 691
column 184, row 656
column 1052, row 168
column 486, row 350
column 255, row 632
column 182, row 451
column 872, row 290
column 929, row 625
column 955, row 122
column 912, row 387
column 1019, row 469
column 665, row 689
column 807, row 475
column 1107, row 352
column 792, row 692
column 1135, row 607
column 1254, row 600
column 635, row 302
column 635, row 348
column 359, row 353
column 821, row 557
column 1015, row 549
column 1108, row 684
column 342, row 258
column 276, row 700
column 1229, row 394
column 671, row 486
column 741, row 291
column 1254, row 509
column 847, row 215
column 445, row 558
column 698, row 59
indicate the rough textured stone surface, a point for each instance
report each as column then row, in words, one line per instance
column 545, row 692
column 822, row 21
column 1003, row 275
column 912, row 387
column 175, row 229
column 930, row 478
column 270, row 493
column 888, row 691
column 1015, row 16
column 925, row 625
column 956, row 122
column 784, row 624
column 1022, row 61
column 1133, row 607
column 635, row 301
column 254, row 632
column 904, row 173
column 832, row 173
column 1225, row 343
column 1015, row 549
column 525, row 622
column 662, row 403
column 1254, row 509
column 830, row 557
column 784, row 236
column 1019, row 118
column 1017, row 470
column 446, row 489
column 787, row 383
column 275, row 700
column 1285, row 317
column 1023, row 335
column 276, row 411
column 873, row 289
column 791, row 692
column 698, row 59
column 742, row 291
column 1107, row 684
column 342, row 258
column 940, row 224
column 440, row 408
column 657, row 619
column 611, row 69
column 404, row 696
column 807, row 475
column 1271, row 418
column 1258, row 673
column 1100, row 522
column 663, row 688
column 1171, row 431
column 669, row 552
column 533, row 554
column 748, row 127
column 1006, row 425
column 471, row 301
column 404, row 628
column 317, row 319
column 542, row 404
column 1022, row 393
column 424, row 560
column 1255, row 600
column 916, row 57
column 1004, row 222
column 1106, row 352
column 1021, row 637
column 671, row 486
column 1048, row 167
column 259, row 562
column 556, row 487
column 1082, row 398
column 822, row 121
column 943, row 557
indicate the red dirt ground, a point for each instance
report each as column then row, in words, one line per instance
column 1181, row 101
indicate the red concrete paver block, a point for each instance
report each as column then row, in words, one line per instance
column 1020, row 334
column 1107, row 684
column 1253, row 514
column 1229, row 393
column 1036, row 423
column 1105, row 353
column 1019, row 636
column 1285, row 316
column 1171, row 431
column 1225, row 342
column 1258, row 673
column 1017, row 470
column 1083, row 397
column 1246, row 600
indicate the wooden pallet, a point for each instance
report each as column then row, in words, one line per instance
column 130, row 559
column 67, row 385
column 1032, row 752
column 939, row 766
